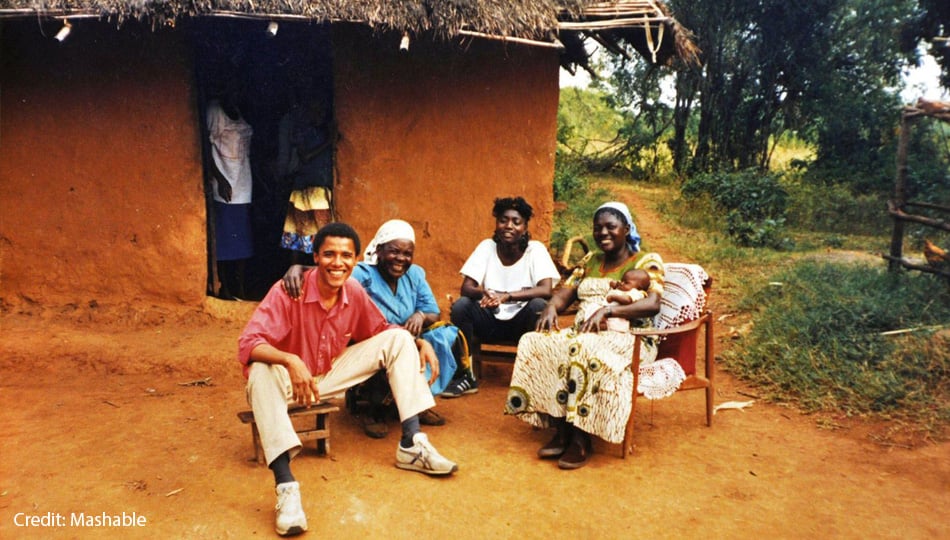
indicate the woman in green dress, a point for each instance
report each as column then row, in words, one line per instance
column 580, row 380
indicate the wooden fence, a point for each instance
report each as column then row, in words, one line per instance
column 900, row 209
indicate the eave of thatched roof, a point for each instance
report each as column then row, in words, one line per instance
column 644, row 24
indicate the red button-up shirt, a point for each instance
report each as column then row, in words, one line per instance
column 309, row 330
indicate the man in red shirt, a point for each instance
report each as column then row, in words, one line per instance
column 332, row 338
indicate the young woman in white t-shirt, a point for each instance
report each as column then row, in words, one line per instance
column 506, row 283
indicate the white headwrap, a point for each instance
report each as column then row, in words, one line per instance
column 394, row 229
column 633, row 238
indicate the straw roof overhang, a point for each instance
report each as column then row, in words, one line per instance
column 646, row 25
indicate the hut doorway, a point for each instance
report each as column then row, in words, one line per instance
column 264, row 89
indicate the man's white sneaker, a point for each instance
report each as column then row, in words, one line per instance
column 290, row 517
column 423, row 457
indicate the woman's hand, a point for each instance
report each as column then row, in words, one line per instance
column 415, row 323
column 427, row 357
column 292, row 282
column 597, row 320
column 561, row 299
column 547, row 319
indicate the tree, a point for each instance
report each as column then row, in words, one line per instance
column 634, row 89
column 827, row 69
column 851, row 108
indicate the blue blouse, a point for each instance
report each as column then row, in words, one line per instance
column 412, row 294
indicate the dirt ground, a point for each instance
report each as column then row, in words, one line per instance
column 131, row 413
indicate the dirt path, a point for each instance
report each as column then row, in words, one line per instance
column 96, row 420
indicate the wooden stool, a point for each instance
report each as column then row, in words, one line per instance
column 319, row 431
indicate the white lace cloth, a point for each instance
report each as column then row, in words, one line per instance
column 683, row 300
column 660, row 379
column 683, row 296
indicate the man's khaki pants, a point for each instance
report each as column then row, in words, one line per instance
column 269, row 391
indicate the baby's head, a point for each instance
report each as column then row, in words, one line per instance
column 634, row 279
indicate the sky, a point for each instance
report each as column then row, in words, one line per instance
column 922, row 81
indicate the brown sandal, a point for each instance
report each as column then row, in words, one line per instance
column 374, row 428
column 429, row 417
column 577, row 453
column 557, row 445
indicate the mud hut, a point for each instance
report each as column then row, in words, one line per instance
column 440, row 108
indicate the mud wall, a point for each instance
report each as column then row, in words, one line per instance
column 101, row 193
column 434, row 134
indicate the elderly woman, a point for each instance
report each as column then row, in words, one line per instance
column 400, row 290
column 580, row 382
column 506, row 282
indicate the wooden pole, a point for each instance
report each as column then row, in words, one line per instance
column 900, row 196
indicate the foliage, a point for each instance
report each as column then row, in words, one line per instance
column 817, row 340
column 754, row 204
column 578, row 202
column 587, row 127
column 568, row 179
column 760, row 59
column 928, row 162
column 851, row 107
column 828, row 70
column 634, row 89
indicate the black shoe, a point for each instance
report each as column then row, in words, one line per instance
column 465, row 384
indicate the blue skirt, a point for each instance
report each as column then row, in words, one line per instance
column 442, row 339
column 232, row 231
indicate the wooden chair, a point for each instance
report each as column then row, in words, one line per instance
column 678, row 325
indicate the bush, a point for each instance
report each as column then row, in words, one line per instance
column 835, row 208
column 818, row 340
column 754, row 204
column 569, row 181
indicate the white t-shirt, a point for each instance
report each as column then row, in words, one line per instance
column 484, row 266
column 231, row 150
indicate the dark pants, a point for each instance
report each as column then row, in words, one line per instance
column 480, row 325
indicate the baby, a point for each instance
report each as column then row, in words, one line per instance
column 633, row 286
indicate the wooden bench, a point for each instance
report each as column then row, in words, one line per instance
column 505, row 351
column 308, row 429
column 502, row 351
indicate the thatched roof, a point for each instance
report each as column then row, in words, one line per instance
column 645, row 24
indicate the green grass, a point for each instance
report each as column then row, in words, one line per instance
column 820, row 341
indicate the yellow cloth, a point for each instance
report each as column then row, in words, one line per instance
column 312, row 198
column 307, row 211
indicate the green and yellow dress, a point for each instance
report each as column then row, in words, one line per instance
column 583, row 377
